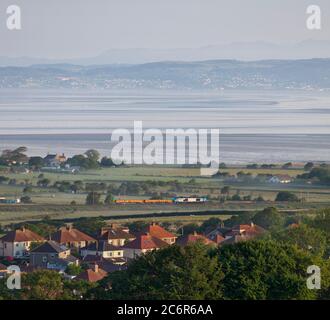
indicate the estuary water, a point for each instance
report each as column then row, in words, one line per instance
column 255, row 126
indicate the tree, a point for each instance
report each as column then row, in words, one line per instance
column 242, row 218
column 36, row 162
column 258, row 270
column 287, row 165
column 92, row 155
column 225, row 191
column 27, row 189
column 43, row 182
column 322, row 173
column 3, row 179
column 107, row 162
column 15, row 156
column 91, row 226
column 108, row 199
column 42, row 285
column 305, row 237
column 210, row 223
column 73, row 270
column 170, row 273
column 308, row 166
column 269, row 218
column 286, row 196
column 93, row 198
column 26, row 199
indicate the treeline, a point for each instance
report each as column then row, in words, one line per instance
column 91, row 159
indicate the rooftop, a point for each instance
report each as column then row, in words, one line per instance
column 146, row 241
column 50, row 247
column 69, row 234
column 21, row 235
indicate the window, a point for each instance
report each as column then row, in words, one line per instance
column 44, row 259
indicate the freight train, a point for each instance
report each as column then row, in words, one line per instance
column 177, row 200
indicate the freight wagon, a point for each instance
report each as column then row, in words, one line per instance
column 141, row 201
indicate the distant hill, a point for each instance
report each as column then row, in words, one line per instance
column 247, row 51
column 199, row 75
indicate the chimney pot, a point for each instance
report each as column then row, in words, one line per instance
column 96, row 268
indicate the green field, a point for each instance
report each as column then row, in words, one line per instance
column 48, row 201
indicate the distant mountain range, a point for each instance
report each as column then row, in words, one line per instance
column 238, row 50
column 195, row 75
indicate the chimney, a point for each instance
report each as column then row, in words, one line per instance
column 252, row 224
column 23, row 228
column 95, row 268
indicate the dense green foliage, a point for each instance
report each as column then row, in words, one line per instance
column 171, row 273
column 286, row 196
column 265, row 270
column 269, row 218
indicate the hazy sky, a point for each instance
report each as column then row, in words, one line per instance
column 82, row 28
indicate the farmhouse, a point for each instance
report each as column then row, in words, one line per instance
column 280, row 179
column 54, row 160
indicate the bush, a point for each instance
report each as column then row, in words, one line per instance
column 286, row 196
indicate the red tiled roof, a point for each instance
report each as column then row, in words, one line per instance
column 92, row 276
column 157, row 231
column 218, row 239
column 247, row 229
column 191, row 238
column 21, row 235
column 68, row 234
column 146, row 241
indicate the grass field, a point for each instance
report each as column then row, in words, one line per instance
column 50, row 202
